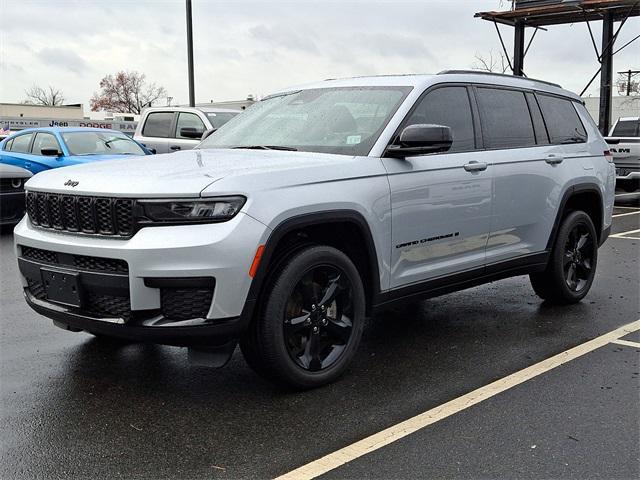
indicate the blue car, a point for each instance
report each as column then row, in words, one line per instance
column 38, row 149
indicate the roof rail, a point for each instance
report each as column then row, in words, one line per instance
column 480, row 72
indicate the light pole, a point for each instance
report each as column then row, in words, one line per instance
column 192, row 92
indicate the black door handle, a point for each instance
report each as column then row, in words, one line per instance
column 175, row 147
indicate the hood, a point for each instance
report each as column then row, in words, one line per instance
column 11, row 171
column 180, row 174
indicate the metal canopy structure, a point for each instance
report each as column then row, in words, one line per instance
column 570, row 11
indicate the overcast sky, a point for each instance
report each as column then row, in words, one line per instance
column 244, row 47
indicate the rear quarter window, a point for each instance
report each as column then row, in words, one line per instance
column 21, row 143
column 562, row 120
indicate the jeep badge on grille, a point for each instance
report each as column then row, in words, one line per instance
column 71, row 183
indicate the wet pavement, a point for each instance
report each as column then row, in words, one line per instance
column 75, row 406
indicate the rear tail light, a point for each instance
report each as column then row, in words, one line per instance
column 609, row 156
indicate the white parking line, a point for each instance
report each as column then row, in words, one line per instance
column 625, row 214
column 627, row 194
column 626, row 343
column 628, row 208
column 624, row 235
column 392, row 434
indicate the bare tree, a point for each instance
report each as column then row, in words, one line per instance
column 50, row 97
column 493, row 63
column 126, row 92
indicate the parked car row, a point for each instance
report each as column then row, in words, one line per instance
column 33, row 150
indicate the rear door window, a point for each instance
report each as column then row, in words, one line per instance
column 44, row 140
column 448, row 106
column 626, row 128
column 21, row 143
column 562, row 120
column 158, row 124
column 506, row 121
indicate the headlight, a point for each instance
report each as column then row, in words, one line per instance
column 192, row 211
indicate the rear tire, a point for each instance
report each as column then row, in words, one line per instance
column 310, row 322
column 572, row 265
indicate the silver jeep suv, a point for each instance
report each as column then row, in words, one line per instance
column 315, row 208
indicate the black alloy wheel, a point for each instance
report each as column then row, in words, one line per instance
column 578, row 258
column 572, row 263
column 310, row 321
column 318, row 318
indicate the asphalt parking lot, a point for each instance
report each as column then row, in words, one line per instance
column 74, row 406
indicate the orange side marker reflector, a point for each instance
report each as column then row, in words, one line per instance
column 256, row 261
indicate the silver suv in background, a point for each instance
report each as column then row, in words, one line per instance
column 169, row 129
column 317, row 207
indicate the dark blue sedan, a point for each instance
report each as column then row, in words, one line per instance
column 38, row 149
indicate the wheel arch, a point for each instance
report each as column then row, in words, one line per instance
column 584, row 196
column 294, row 233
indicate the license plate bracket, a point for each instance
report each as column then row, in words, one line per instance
column 62, row 287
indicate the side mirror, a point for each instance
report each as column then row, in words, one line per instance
column 208, row 132
column 191, row 132
column 421, row 139
column 50, row 152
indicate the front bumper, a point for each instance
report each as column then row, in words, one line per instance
column 156, row 258
column 199, row 332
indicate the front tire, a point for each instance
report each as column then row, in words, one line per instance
column 310, row 322
column 572, row 266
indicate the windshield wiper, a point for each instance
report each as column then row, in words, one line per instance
column 266, row 147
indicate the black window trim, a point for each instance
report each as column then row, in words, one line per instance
column 172, row 127
column 571, row 101
column 477, row 134
column 475, row 112
column 33, row 142
column 542, row 135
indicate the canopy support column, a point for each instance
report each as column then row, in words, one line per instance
column 606, row 74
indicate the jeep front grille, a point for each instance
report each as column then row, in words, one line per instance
column 84, row 214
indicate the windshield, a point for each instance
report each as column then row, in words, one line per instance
column 327, row 120
column 218, row 119
column 100, row 143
